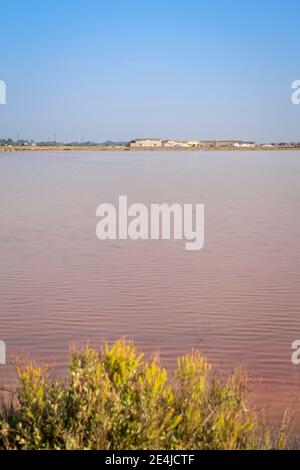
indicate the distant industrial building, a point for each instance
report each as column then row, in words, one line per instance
column 169, row 143
column 244, row 144
column 145, row 143
column 189, row 144
column 193, row 143
column 178, row 144
column 218, row 144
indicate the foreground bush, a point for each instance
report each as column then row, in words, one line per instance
column 114, row 400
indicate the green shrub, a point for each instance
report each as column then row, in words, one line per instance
column 114, row 400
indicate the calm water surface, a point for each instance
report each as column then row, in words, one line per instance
column 238, row 300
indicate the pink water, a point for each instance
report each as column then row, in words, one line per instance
column 237, row 300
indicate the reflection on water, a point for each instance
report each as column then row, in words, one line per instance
column 237, row 300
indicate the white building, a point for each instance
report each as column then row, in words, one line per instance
column 145, row 143
column 169, row 143
column 244, row 144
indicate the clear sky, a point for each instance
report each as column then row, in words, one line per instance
column 120, row 69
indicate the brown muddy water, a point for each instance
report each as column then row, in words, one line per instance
column 237, row 300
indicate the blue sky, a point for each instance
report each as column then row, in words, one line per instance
column 115, row 69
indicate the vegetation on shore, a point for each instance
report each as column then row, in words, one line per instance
column 103, row 148
column 115, row 400
column 111, row 146
column 60, row 148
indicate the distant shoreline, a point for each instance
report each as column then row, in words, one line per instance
column 100, row 148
